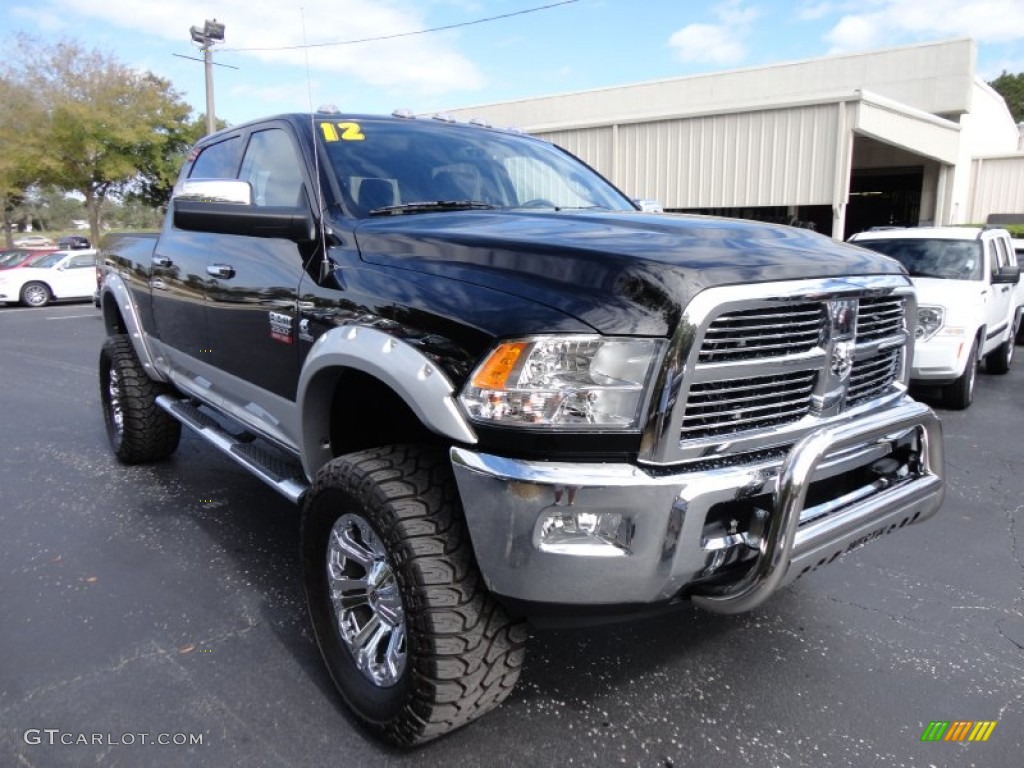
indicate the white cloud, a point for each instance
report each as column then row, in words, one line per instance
column 897, row 21
column 46, row 21
column 721, row 43
column 428, row 63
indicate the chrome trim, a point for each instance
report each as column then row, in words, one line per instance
column 114, row 284
column 214, row 191
column 401, row 366
column 290, row 488
column 667, row 512
column 661, row 442
column 785, row 542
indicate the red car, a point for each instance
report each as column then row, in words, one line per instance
column 22, row 257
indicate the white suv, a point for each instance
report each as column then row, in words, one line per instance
column 969, row 301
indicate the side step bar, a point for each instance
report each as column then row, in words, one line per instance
column 272, row 466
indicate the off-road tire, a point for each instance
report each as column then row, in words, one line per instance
column 144, row 432
column 463, row 652
column 960, row 394
column 36, row 294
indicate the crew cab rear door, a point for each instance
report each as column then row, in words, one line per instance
column 999, row 302
column 178, row 278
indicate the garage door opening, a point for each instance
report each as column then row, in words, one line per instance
column 887, row 197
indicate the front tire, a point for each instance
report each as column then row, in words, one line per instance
column 36, row 295
column 138, row 429
column 411, row 637
column 960, row 394
column 1000, row 359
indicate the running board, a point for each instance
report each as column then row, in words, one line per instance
column 271, row 465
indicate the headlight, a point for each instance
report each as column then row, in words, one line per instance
column 929, row 321
column 563, row 382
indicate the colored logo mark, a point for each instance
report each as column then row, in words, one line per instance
column 958, row 730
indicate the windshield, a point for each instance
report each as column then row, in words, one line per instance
column 396, row 167
column 944, row 259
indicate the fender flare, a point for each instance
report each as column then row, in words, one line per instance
column 121, row 302
column 414, row 377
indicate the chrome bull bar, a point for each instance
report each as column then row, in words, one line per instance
column 786, row 549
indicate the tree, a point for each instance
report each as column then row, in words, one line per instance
column 160, row 170
column 23, row 159
column 107, row 125
column 1011, row 88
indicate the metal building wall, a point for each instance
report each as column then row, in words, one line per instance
column 755, row 158
column 596, row 146
column 997, row 186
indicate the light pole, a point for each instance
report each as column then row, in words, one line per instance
column 211, row 33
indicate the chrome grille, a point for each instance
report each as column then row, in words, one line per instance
column 873, row 376
column 736, row 405
column 879, row 318
column 749, row 334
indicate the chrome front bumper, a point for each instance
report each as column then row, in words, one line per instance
column 663, row 544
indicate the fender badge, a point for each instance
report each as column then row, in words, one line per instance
column 280, row 327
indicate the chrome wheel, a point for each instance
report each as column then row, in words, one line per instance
column 367, row 605
column 114, row 401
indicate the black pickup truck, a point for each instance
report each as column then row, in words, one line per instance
column 500, row 393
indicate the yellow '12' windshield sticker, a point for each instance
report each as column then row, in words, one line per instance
column 342, row 131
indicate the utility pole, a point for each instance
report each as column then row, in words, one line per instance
column 211, row 33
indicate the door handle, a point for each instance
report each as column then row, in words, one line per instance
column 223, row 271
column 161, row 261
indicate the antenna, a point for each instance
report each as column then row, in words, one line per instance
column 325, row 264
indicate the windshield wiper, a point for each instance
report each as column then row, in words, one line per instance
column 437, row 205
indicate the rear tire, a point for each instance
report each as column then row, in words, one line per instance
column 138, row 429
column 414, row 642
column 960, row 394
column 36, row 295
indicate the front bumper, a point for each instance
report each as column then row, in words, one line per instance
column 940, row 359
column 663, row 519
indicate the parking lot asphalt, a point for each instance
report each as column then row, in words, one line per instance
column 164, row 603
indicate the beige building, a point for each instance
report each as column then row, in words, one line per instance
column 906, row 135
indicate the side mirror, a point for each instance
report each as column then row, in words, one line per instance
column 224, row 206
column 215, row 191
column 649, row 206
column 1007, row 275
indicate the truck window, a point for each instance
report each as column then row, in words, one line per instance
column 272, row 167
column 218, row 161
column 1003, row 251
column 382, row 164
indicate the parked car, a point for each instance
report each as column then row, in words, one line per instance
column 73, row 243
column 22, row 257
column 34, row 241
column 58, row 276
column 969, row 302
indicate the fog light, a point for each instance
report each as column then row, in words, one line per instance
column 585, row 534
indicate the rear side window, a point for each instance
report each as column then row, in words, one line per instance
column 86, row 260
column 218, row 161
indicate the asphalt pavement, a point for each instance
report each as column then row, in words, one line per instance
column 153, row 616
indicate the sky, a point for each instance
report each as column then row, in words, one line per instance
column 571, row 46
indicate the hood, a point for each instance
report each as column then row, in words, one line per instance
column 621, row 273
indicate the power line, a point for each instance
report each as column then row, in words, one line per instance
column 405, row 34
